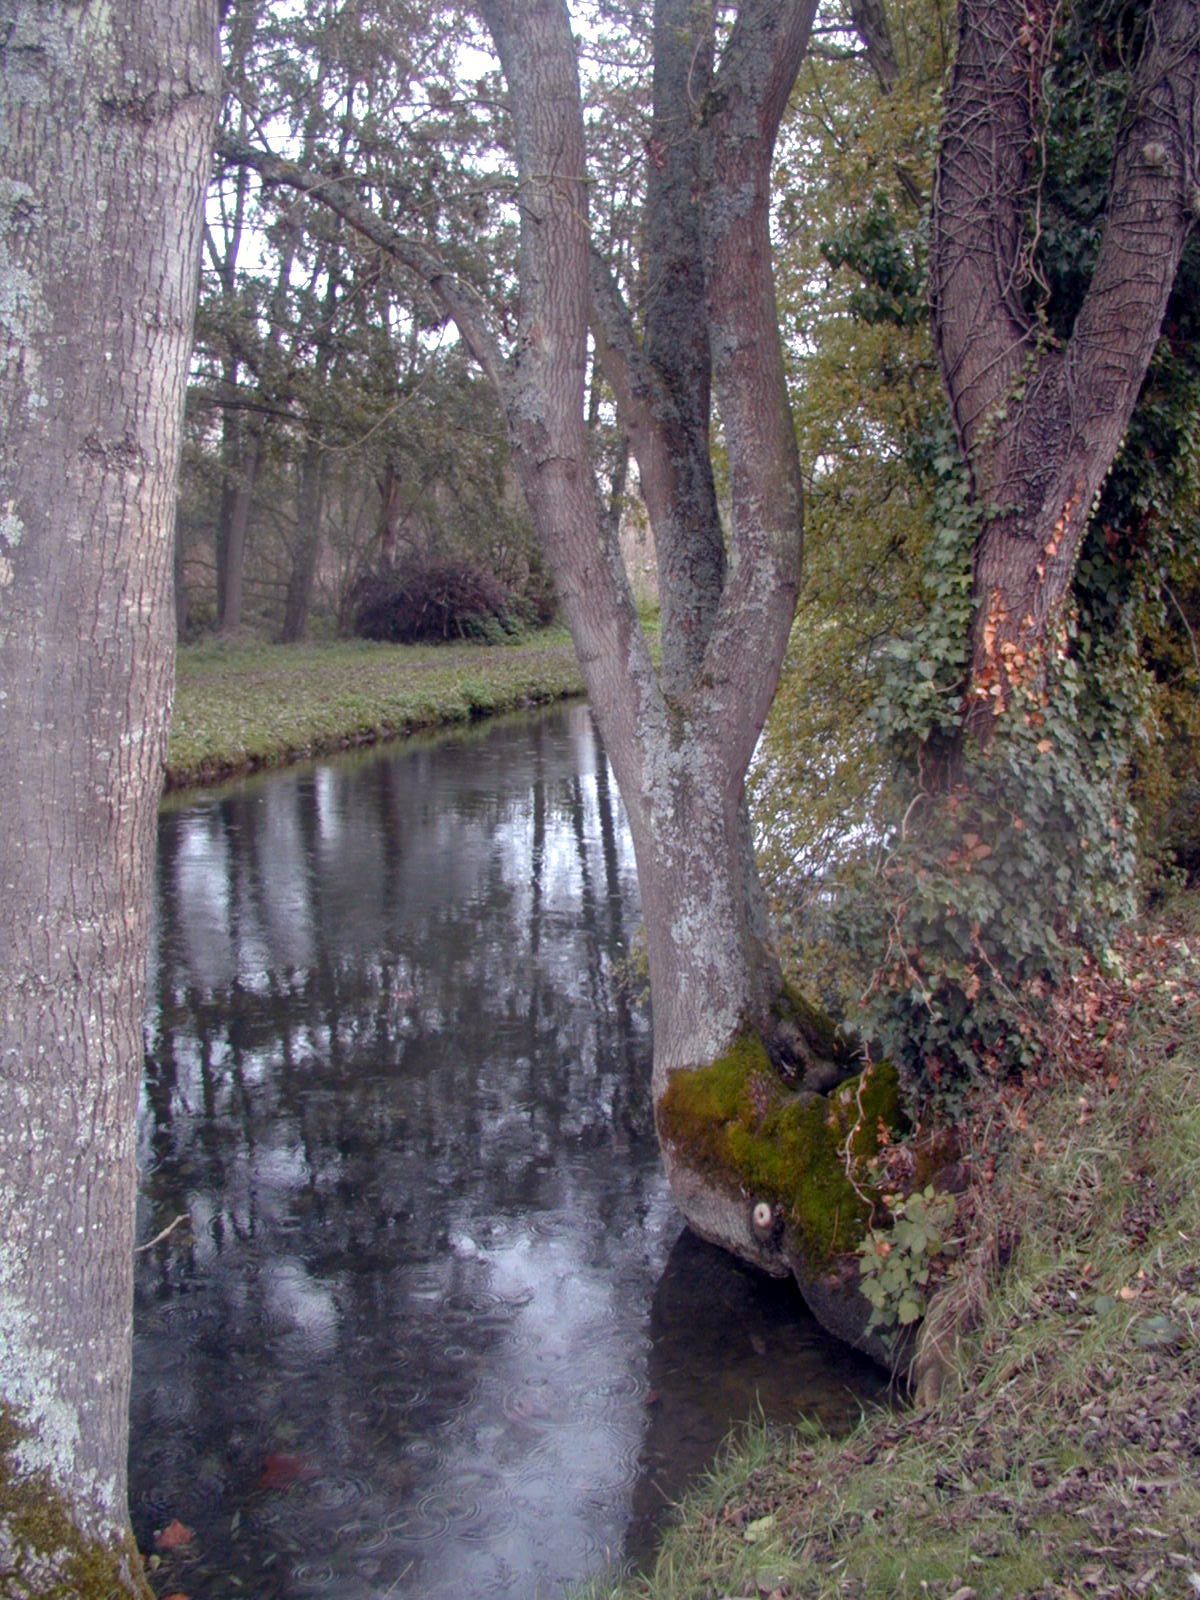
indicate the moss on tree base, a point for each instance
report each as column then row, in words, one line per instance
column 44, row 1555
column 803, row 1153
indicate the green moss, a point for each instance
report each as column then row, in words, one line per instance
column 735, row 1123
column 46, row 1556
column 814, row 1024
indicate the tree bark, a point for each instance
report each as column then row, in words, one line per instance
column 307, row 547
column 1039, row 426
column 108, row 114
column 241, row 449
column 680, row 743
column 680, row 746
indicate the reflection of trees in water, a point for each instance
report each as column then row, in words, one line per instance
column 461, row 942
column 383, row 1029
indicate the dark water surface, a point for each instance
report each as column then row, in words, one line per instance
column 432, row 1328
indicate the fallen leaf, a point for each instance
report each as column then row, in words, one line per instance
column 173, row 1535
column 281, row 1471
column 755, row 1532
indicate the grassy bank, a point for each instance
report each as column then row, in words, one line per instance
column 243, row 706
column 1063, row 1456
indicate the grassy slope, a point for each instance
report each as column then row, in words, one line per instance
column 1065, row 1460
column 255, row 705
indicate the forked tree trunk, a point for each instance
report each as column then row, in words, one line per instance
column 681, row 741
column 1040, row 426
column 107, row 114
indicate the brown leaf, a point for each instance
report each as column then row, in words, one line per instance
column 281, row 1471
column 173, row 1535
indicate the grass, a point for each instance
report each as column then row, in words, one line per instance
column 243, row 706
column 1062, row 1460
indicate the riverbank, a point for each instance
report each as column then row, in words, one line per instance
column 1062, row 1460
column 240, row 707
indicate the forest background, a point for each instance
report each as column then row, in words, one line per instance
column 983, row 751
column 345, row 466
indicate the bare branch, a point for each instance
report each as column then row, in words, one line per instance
column 871, row 24
column 460, row 300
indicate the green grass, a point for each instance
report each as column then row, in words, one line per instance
column 244, row 706
column 1064, row 1459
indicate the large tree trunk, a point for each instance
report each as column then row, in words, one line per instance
column 107, row 112
column 1039, row 426
column 737, row 1060
column 680, row 741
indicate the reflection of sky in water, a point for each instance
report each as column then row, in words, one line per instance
column 408, row 1345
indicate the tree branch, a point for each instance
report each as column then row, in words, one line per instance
column 460, row 301
column 1153, row 203
column 871, row 24
column 754, row 81
column 761, row 58
column 978, row 268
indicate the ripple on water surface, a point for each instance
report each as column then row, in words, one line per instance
column 430, row 1335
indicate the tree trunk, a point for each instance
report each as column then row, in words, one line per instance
column 390, row 518
column 735, row 1056
column 308, row 543
column 107, row 114
column 241, row 455
column 1039, row 426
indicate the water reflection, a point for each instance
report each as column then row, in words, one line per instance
column 404, row 1347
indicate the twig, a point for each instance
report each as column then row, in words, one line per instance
column 159, row 1237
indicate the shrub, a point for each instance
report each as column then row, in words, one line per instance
column 453, row 598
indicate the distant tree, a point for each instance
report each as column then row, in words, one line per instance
column 107, row 114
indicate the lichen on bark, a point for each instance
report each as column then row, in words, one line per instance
column 44, row 1554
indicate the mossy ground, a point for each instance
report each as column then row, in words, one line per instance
column 735, row 1122
column 243, row 706
column 43, row 1555
column 1064, row 1461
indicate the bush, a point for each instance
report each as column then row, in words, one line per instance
column 448, row 599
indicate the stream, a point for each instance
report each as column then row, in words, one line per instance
column 431, row 1327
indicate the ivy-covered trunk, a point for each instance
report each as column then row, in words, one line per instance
column 1039, row 420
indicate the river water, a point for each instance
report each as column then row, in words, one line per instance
column 431, row 1328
